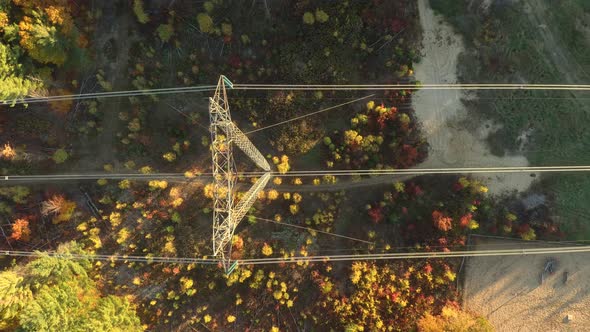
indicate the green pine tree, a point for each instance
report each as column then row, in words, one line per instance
column 13, row 297
column 13, row 86
column 57, row 294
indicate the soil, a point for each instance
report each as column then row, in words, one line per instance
column 507, row 290
column 441, row 110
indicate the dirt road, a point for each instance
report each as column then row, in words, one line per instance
column 509, row 293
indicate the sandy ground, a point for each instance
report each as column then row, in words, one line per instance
column 441, row 110
column 508, row 292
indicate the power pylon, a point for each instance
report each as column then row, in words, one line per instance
column 224, row 134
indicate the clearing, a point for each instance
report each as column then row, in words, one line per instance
column 441, row 111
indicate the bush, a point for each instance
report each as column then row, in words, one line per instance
column 169, row 156
column 60, row 156
column 226, row 29
column 141, row 15
column 308, row 18
column 205, row 23
column 321, row 16
column 165, row 32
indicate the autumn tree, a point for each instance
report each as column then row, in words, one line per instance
column 378, row 137
column 441, row 221
column 21, row 230
column 61, row 208
column 46, row 30
column 43, row 39
column 7, row 152
column 382, row 295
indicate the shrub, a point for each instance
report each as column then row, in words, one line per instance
column 266, row 250
column 125, row 184
column 226, row 29
column 321, row 16
column 165, row 32
column 141, row 15
column 205, row 23
column 283, row 166
column 170, row 156
column 156, row 184
column 308, row 18
column 60, row 156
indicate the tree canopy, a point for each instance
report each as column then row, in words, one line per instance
column 57, row 294
column 13, row 84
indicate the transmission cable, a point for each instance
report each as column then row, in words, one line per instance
column 100, row 257
column 127, row 93
column 467, row 86
column 417, row 255
column 306, row 259
column 203, row 88
column 376, row 172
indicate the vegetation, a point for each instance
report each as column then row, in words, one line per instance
column 51, row 293
column 183, row 45
column 31, row 36
column 550, row 128
column 379, row 137
column 452, row 319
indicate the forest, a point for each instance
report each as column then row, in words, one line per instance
column 61, row 47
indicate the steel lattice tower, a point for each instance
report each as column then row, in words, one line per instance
column 224, row 134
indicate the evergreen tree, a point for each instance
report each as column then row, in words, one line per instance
column 13, row 86
column 57, row 294
column 113, row 313
column 13, row 297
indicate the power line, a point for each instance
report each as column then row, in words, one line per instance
column 314, row 173
column 417, row 255
column 452, row 247
column 203, row 88
column 479, row 86
column 308, row 259
column 114, row 257
column 428, row 171
column 127, row 93
column 93, row 176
